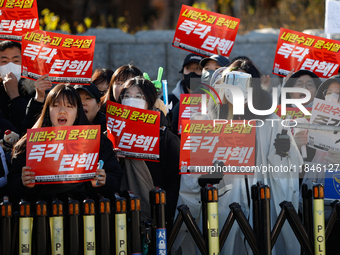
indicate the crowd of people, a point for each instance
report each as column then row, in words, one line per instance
column 27, row 104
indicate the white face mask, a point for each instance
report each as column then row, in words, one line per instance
column 10, row 67
column 332, row 98
column 134, row 102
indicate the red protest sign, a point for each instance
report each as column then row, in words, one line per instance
column 135, row 131
column 63, row 154
column 65, row 58
column 204, row 32
column 293, row 112
column 189, row 104
column 202, row 143
column 17, row 17
column 302, row 51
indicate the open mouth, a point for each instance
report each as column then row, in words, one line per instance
column 86, row 111
column 62, row 120
column 302, row 96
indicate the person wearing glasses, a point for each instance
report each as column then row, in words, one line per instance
column 142, row 176
column 329, row 91
column 303, row 79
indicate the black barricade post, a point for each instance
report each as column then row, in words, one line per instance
column 307, row 203
column 152, row 201
column 134, row 223
column 40, row 228
column 160, row 233
column 120, row 225
column 193, row 229
column 25, row 228
column 57, row 228
column 265, row 220
column 296, row 225
column 205, row 225
column 5, row 223
column 105, row 211
column 319, row 220
column 245, row 227
column 333, row 217
column 256, row 209
column 228, row 224
column 73, row 211
column 89, row 227
column 175, row 230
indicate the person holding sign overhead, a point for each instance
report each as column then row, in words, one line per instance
column 63, row 107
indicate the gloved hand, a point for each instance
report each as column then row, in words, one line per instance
column 333, row 157
column 301, row 138
column 282, row 143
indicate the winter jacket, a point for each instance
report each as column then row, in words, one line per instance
column 14, row 110
column 78, row 191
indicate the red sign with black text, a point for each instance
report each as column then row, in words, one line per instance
column 204, row 32
column 65, row 58
column 134, row 131
column 63, row 154
column 17, row 17
column 203, row 143
column 302, row 51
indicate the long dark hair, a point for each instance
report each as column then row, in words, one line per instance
column 262, row 99
column 61, row 90
column 123, row 73
column 101, row 75
column 147, row 87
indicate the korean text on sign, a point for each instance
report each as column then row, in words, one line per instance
column 139, row 143
column 71, row 153
column 203, row 143
column 324, row 113
column 17, row 17
column 302, row 51
column 66, row 58
column 189, row 106
column 204, row 32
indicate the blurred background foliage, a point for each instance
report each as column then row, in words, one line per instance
column 76, row 16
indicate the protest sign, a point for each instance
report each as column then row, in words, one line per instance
column 65, row 58
column 332, row 18
column 293, row 112
column 17, row 17
column 204, row 32
column 134, row 131
column 63, row 154
column 302, row 51
column 324, row 113
column 202, row 143
column 189, row 105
